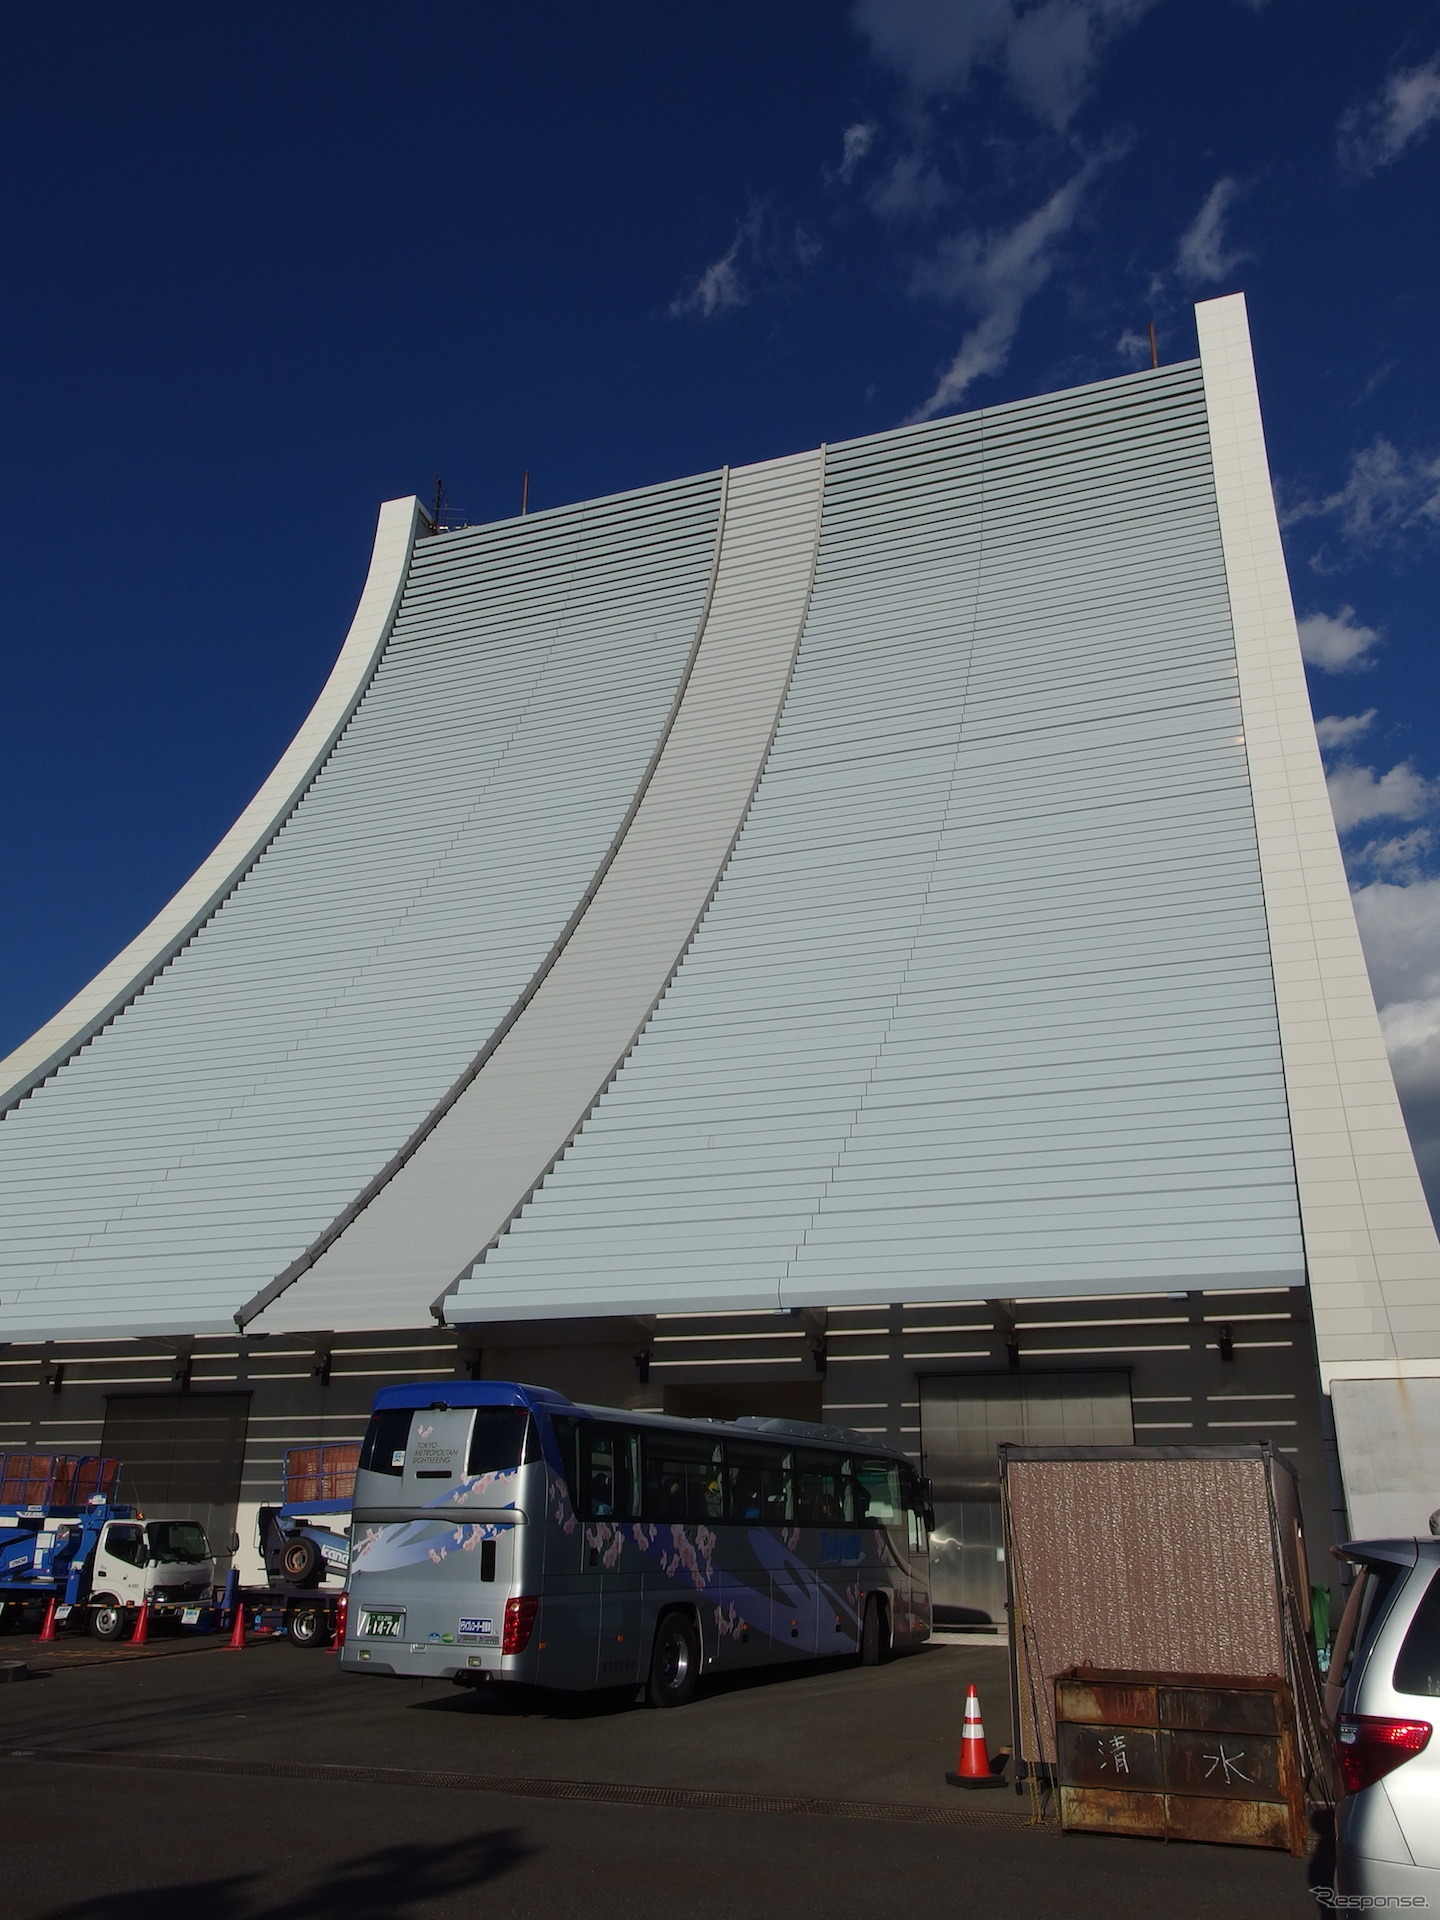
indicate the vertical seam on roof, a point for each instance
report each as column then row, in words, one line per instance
column 324, row 1241
column 437, row 1307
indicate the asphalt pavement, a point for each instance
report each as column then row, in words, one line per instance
column 263, row 1785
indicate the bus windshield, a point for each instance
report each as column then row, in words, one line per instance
column 500, row 1438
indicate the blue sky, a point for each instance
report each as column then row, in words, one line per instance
column 266, row 267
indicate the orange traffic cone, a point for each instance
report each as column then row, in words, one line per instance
column 237, row 1630
column 973, row 1766
column 47, row 1627
column 142, row 1625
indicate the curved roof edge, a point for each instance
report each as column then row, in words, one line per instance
column 157, row 944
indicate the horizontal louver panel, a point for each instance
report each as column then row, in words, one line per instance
column 224, row 1118
column 983, row 1004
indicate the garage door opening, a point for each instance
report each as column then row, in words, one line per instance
column 963, row 1420
column 181, row 1456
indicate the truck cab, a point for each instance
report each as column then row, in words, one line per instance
column 165, row 1563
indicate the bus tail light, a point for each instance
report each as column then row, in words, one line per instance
column 520, row 1623
column 1368, row 1746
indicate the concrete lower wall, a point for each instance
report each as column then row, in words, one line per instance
column 861, row 1367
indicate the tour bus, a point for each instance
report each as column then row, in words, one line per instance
column 502, row 1533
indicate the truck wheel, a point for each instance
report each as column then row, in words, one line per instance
column 109, row 1620
column 308, row 1626
column 872, row 1633
column 302, row 1563
column 675, row 1662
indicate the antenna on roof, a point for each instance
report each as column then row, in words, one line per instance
column 440, row 495
column 525, row 492
column 1154, row 350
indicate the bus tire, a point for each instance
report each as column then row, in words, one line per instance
column 108, row 1619
column 674, row 1661
column 308, row 1626
column 872, row 1631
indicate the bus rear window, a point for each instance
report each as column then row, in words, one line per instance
column 501, row 1437
column 386, row 1438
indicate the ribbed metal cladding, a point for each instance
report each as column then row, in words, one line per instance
column 983, row 1005
column 227, row 1115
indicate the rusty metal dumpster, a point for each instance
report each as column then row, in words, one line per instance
column 1179, row 1757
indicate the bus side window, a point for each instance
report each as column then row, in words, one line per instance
column 757, row 1484
column 683, row 1478
column 819, row 1489
column 877, row 1492
column 610, row 1458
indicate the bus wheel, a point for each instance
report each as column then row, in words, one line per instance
column 872, row 1633
column 675, row 1663
column 308, row 1627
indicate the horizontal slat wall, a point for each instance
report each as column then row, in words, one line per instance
column 983, row 1004
column 465, row 1182
column 226, row 1117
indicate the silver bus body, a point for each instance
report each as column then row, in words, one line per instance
column 556, row 1567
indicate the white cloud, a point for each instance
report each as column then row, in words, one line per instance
column 1134, row 347
column 1402, row 857
column 995, row 275
column 1203, row 255
column 909, row 188
column 856, row 143
column 719, row 289
column 1339, row 730
column 1359, row 793
column 1047, row 50
column 1405, row 108
column 1338, row 642
column 1386, row 495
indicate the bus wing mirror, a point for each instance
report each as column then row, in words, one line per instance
column 927, row 1503
column 234, row 1543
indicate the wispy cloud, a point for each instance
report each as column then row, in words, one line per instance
column 763, row 250
column 995, row 274
column 1338, row 642
column 1358, row 794
column 1203, row 255
column 1047, row 50
column 910, row 188
column 1338, row 730
column 721, row 287
column 1386, row 495
column 1378, row 131
column 855, row 143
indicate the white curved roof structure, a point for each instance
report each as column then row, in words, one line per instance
column 900, row 872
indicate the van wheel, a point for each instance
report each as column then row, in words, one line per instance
column 109, row 1620
column 675, row 1662
column 308, row 1627
column 872, row 1632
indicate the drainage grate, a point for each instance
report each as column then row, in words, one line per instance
column 702, row 1798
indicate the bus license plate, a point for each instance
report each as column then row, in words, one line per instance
column 383, row 1626
column 190, row 1616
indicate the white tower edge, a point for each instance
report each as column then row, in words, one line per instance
column 157, row 944
column 1370, row 1243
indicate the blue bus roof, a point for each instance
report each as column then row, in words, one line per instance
column 473, row 1393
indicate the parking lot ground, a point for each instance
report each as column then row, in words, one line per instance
column 265, row 1785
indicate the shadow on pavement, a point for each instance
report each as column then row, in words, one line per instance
column 511, row 1699
column 373, row 1886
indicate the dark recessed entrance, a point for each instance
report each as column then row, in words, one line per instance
column 181, row 1456
column 737, row 1399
